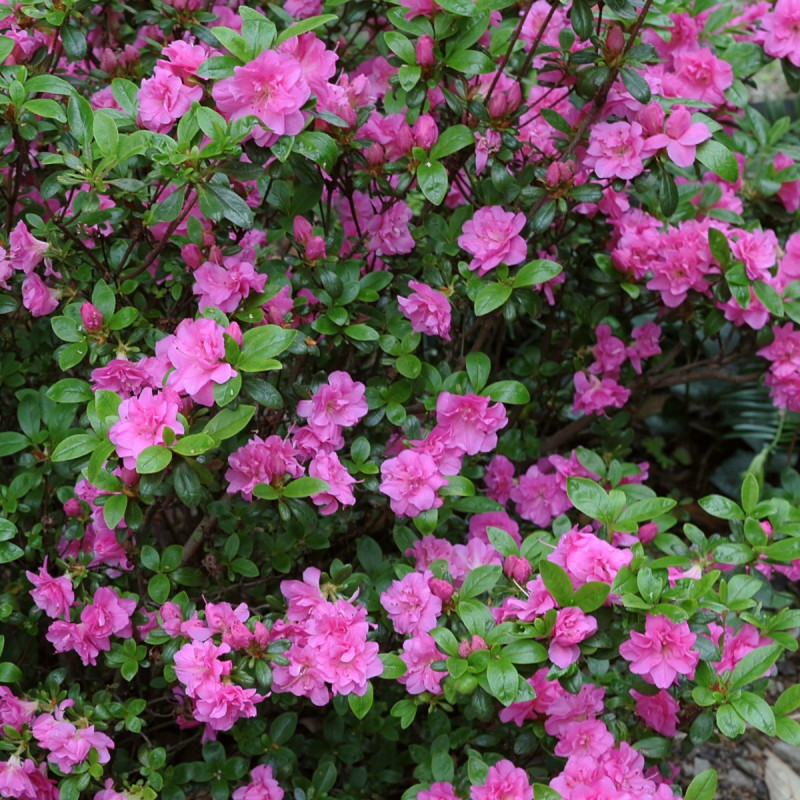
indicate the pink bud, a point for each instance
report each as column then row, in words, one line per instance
column 315, row 248
column 441, row 589
column 235, row 331
column 376, row 154
column 302, row 230
column 651, row 118
column 467, row 647
column 615, row 41
column 517, row 568
column 558, row 173
column 92, row 318
column 425, row 57
column 192, row 255
column 72, row 508
column 648, row 532
column 425, row 132
column 501, row 104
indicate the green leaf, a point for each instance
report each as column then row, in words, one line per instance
column 225, row 393
column 463, row 8
column 433, row 181
column 451, row 140
column 319, row 148
column 721, row 507
column 756, row 711
column 362, row 333
column 733, row 553
column 703, row 786
column 729, row 722
column 12, row 442
column 525, row 651
column 104, row 297
column 70, row 390
column 305, row 25
column 536, row 272
column 587, row 496
column 649, row 508
column 400, row 46
column 717, row 158
column 636, row 85
column 158, row 588
column 592, row 596
column 260, row 346
column 503, row 680
column 581, row 18
column 470, row 62
column 305, row 487
column 502, row 541
column 490, row 297
column 48, row 84
column 76, row 446
column 479, row 367
column 194, row 445
column 49, row 109
column 409, row 366
column 232, row 42
column 511, row 392
column 557, row 582
column 155, row 458
column 105, row 133
column 114, row 509
column 480, row 580
column 228, row 422
column 10, row 552
column 228, row 204
column 788, row 701
column 360, row 706
column 10, row 673
column 754, row 665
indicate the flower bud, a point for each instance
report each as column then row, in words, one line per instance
column 92, row 318
column 315, row 248
column 192, row 255
column 648, row 532
column 376, row 154
column 425, row 57
column 235, row 331
column 517, row 568
column 615, row 42
column 441, row 589
column 558, row 173
column 302, row 230
column 425, row 132
column 72, row 508
column 467, row 647
column 651, row 118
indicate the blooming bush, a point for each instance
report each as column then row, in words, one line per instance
column 352, row 354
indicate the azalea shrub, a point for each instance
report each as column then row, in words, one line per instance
column 351, row 353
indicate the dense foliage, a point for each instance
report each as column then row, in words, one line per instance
column 362, row 369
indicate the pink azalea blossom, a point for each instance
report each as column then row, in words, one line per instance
column 782, row 25
column 499, row 479
column 663, row 652
column 226, row 285
column 165, row 98
column 492, row 238
column 55, row 596
column 681, row 138
column 504, row 782
column 572, row 626
column 25, row 251
column 272, row 88
column 659, row 711
column 588, row 737
column 262, row 786
column 388, row 231
column 594, row 395
column 411, row 605
column 38, row 297
column 419, row 652
column 327, row 467
column 410, row 481
column 699, row 74
column 471, row 422
column 615, row 150
column 142, row 421
column 261, row 461
column 441, row 790
column 427, row 309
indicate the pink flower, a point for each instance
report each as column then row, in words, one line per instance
column 108, row 614
column 225, row 286
column 700, row 75
column 615, row 150
column 539, row 496
column 262, row 786
column 609, row 353
column 220, row 705
column 504, row 782
column 783, row 31
column 471, row 423
column 789, row 192
column 659, row 711
column 340, row 403
column 198, row 667
column 91, row 317
column 410, row 481
column 327, row 467
column 588, row 737
column 165, row 98
column 442, row 790
column 261, row 461
column 681, row 138
column 411, row 605
column 66, row 636
column 594, row 395
column 587, row 558
column 197, row 351
column 55, row 596
column 389, row 233
column 427, row 309
column 26, row 252
column 38, row 297
column 492, row 238
column 142, row 421
column 499, row 479
column 272, row 88
column 664, row 651
column 572, row 626
column 419, row 652
column 644, row 345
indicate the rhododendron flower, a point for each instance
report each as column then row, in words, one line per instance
column 504, row 781
column 442, row 790
column 411, row 605
column 272, row 88
column 594, row 395
column 327, row 467
column 427, row 309
column 25, row 251
column 572, row 626
column 699, row 74
column 588, row 737
column 419, row 652
column 492, row 238
column 165, row 98
column 142, row 421
column 410, row 481
column 388, row 231
column 615, row 150
column 681, row 138
column 38, row 297
column 261, row 461
column 197, row 351
column 226, row 285
column 539, row 496
column 55, row 596
column 783, row 31
column 108, row 614
column 338, row 404
column 664, row 651
column 587, row 558
column 262, row 786
column 499, row 479
column 659, row 711
column 222, row 704
column 470, row 421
